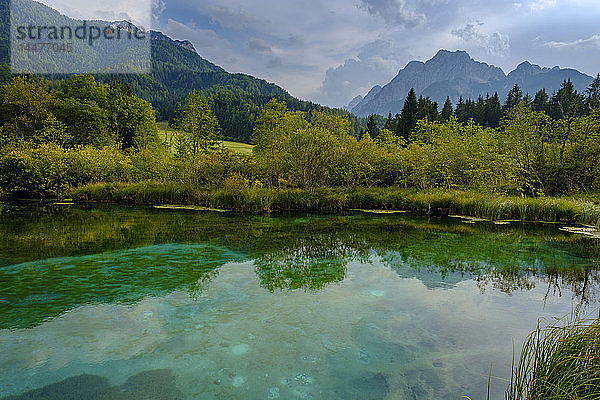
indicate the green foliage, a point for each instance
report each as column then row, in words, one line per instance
column 372, row 128
column 446, row 110
column 541, row 102
column 514, row 97
column 526, row 134
column 242, row 194
column 196, row 118
column 76, row 112
column 528, row 155
column 593, row 91
column 566, row 103
column 49, row 170
column 25, row 103
column 558, row 362
column 427, row 109
column 408, row 116
column 292, row 151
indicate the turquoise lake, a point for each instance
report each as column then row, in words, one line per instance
column 115, row 302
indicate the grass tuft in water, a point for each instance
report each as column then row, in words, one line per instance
column 559, row 362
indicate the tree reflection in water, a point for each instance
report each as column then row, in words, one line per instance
column 79, row 254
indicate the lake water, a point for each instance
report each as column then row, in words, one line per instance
column 110, row 302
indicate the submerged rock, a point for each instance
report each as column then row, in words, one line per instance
column 374, row 386
column 147, row 385
column 304, row 379
column 238, row 380
column 273, row 393
column 240, row 349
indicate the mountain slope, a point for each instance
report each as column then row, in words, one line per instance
column 456, row 74
column 176, row 70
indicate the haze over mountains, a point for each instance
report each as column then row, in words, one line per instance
column 456, row 74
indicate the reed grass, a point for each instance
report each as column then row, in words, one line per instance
column 559, row 362
column 249, row 198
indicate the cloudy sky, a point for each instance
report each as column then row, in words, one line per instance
column 330, row 51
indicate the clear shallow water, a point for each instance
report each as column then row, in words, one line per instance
column 128, row 303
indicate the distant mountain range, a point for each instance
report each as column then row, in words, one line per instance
column 456, row 74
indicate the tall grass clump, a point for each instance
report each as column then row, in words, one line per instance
column 559, row 362
column 146, row 192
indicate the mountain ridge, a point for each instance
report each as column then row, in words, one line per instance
column 456, row 74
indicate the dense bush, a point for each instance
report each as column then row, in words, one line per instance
column 529, row 154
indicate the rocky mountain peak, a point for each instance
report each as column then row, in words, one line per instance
column 456, row 74
column 444, row 66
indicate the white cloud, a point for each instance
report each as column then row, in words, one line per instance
column 494, row 43
column 376, row 64
column 258, row 46
column 395, row 12
column 138, row 11
column 206, row 41
column 539, row 5
column 592, row 41
column 234, row 18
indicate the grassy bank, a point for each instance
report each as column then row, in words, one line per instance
column 241, row 197
column 559, row 362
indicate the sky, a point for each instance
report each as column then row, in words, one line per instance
column 331, row 51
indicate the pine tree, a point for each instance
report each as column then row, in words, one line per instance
column 593, row 92
column 527, row 100
column 397, row 125
column 540, row 102
column 427, row 109
column 566, row 102
column 372, row 128
column 514, row 97
column 446, row 110
column 408, row 116
column 422, row 109
column 479, row 111
column 389, row 123
column 493, row 111
column 461, row 110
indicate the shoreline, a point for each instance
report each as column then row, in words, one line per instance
column 253, row 199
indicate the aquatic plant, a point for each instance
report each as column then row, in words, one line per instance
column 559, row 362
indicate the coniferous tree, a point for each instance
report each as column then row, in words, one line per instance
column 460, row 110
column 372, row 128
column 566, row 102
column 593, row 92
column 408, row 116
column 427, row 109
column 540, row 102
column 493, row 111
column 389, row 123
column 446, row 110
column 479, row 111
column 433, row 114
column 469, row 110
column 422, row 109
column 514, row 97
column 397, row 125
